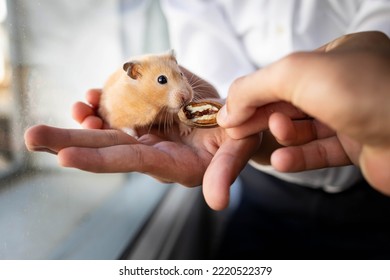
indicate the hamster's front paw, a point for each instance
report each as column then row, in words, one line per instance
column 130, row 131
column 184, row 130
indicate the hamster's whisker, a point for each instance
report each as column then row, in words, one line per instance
column 168, row 122
column 150, row 128
column 200, row 94
column 196, row 84
column 165, row 121
column 156, row 120
column 202, row 91
column 191, row 79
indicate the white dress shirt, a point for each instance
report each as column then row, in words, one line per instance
column 221, row 40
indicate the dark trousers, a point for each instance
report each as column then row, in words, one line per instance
column 279, row 220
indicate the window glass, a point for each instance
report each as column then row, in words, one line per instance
column 51, row 52
column 10, row 126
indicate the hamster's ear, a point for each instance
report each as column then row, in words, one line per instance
column 172, row 54
column 133, row 69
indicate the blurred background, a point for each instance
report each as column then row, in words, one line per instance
column 51, row 52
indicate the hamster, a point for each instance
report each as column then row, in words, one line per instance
column 148, row 90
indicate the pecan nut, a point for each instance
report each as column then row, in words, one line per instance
column 201, row 114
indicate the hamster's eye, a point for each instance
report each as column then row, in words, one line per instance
column 181, row 74
column 162, row 79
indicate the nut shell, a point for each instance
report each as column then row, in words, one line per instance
column 201, row 114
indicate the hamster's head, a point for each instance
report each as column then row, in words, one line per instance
column 160, row 81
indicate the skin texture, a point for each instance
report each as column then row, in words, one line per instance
column 343, row 87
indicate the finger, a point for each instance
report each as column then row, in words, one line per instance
column 166, row 161
column 81, row 110
column 224, row 168
column 260, row 119
column 112, row 159
column 291, row 79
column 375, row 166
column 93, row 97
column 46, row 138
column 359, row 40
column 317, row 154
column 280, row 81
column 288, row 132
column 248, row 93
column 93, row 122
column 86, row 116
column 255, row 90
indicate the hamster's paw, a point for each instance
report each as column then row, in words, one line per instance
column 184, row 130
column 130, row 131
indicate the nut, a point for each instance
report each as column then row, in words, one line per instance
column 201, row 114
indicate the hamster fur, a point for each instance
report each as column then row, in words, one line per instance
column 146, row 91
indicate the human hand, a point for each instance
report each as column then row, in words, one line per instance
column 344, row 86
column 167, row 157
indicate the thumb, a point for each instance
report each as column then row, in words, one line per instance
column 224, row 168
column 375, row 166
